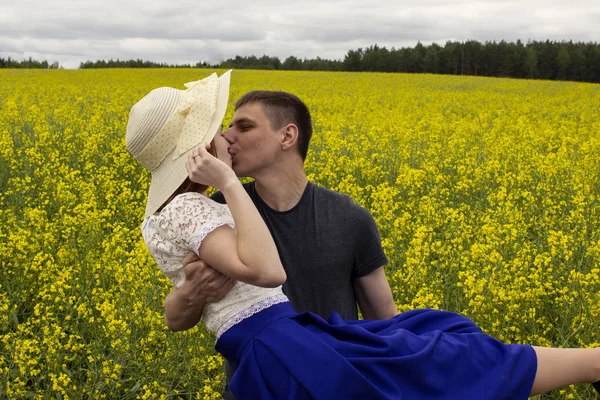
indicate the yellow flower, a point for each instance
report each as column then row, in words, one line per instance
column 484, row 190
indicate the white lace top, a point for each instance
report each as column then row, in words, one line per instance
column 179, row 229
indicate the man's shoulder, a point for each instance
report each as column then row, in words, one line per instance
column 324, row 192
column 338, row 200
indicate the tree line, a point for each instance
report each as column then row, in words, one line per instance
column 574, row 61
column 138, row 64
column 534, row 60
column 28, row 63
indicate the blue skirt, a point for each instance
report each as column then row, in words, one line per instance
column 421, row 354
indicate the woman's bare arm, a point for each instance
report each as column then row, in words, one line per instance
column 248, row 253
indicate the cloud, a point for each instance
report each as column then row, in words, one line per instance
column 185, row 31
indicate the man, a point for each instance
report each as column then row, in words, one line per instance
column 329, row 246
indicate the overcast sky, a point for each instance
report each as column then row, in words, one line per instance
column 185, row 31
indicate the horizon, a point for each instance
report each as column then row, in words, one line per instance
column 217, row 64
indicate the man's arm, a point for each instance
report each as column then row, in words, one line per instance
column 374, row 296
column 371, row 287
column 183, row 306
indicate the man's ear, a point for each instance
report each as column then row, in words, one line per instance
column 290, row 136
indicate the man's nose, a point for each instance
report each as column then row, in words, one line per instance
column 228, row 135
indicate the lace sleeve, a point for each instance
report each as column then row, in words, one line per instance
column 192, row 217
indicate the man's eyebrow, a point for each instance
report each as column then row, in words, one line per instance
column 242, row 120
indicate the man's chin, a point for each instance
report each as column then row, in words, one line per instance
column 238, row 171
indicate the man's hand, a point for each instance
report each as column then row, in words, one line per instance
column 203, row 284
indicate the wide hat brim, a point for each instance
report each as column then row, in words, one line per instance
column 169, row 176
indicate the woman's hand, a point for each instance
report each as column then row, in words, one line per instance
column 203, row 168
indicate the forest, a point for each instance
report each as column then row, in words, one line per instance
column 550, row 60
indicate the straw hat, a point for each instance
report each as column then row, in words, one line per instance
column 167, row 124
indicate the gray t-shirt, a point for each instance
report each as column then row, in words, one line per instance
column 324, row 242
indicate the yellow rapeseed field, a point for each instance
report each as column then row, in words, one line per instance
column 486, row 192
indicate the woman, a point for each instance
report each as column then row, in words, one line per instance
column 278, row 353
